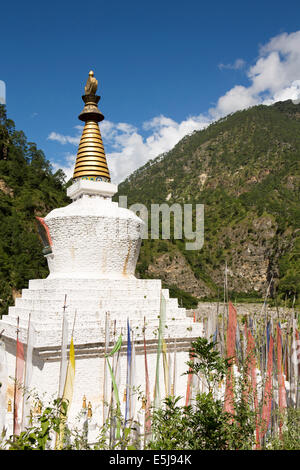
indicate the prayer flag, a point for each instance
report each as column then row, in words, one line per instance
column 268, row 391
column 162, row 321
column 69, row 384
column 231, row 335
column 281, row 385
column 128, row 378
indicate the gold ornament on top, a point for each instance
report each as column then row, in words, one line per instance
column 91, row 160
column 90, row 412
column 84, row 402
column 91, row 84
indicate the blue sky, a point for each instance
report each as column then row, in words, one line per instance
column 164, row 69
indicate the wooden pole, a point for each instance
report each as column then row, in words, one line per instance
column 112, row 419
column 15, row 384
column 106, row 342
column 62, row 334
column 25, row 372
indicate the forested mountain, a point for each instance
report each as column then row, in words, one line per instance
column 28, row 188
column 245, row 169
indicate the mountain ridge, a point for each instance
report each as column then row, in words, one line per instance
column 245, row 169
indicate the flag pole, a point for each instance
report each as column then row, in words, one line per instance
column 25, row 372
column 173, row 389
column 68, row 389
column 106, row 341
column 112, row 392
column 147, row 422
column 15, row 384
column 62, row 336
column 225, row 311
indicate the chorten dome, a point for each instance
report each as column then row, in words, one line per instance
column 93, row 237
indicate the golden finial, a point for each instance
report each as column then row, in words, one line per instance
column 90, row 413
column 9, row 407
column 91, row 160
column 144, row 401
column 39, row 408
column 91, row 84
column 84, row 402
column 125, row 394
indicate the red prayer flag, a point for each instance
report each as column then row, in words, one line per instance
column 189, row 382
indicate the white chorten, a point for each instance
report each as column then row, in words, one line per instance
column 92, row 247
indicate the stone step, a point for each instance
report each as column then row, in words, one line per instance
column 137, row 320
column 92, row 330
column 98, row 284
column 46, row 314
column 92, row 304
column 54, row 294
column 90, row 334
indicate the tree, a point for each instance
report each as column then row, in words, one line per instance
column 204, row 425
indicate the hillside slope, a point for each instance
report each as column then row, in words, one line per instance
column 28, row 188
column 245, row 169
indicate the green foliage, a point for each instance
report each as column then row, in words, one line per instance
column 28, row 188
column 207, row 362
column 185, row 299
column 38, row 436
column 201, row 426
column 49, row 430
column 290, row 438
column 289, row 266
column 204, row 425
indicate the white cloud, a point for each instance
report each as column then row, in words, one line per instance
column 2, row 92
column 274, row 77
column 68, row 167
column 237, row 65
column 64, row 139
column 133, row 150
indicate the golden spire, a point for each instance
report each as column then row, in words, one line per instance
column 91, row 160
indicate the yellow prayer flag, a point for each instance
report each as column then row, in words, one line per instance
column 67, row 395
column 69, row 384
